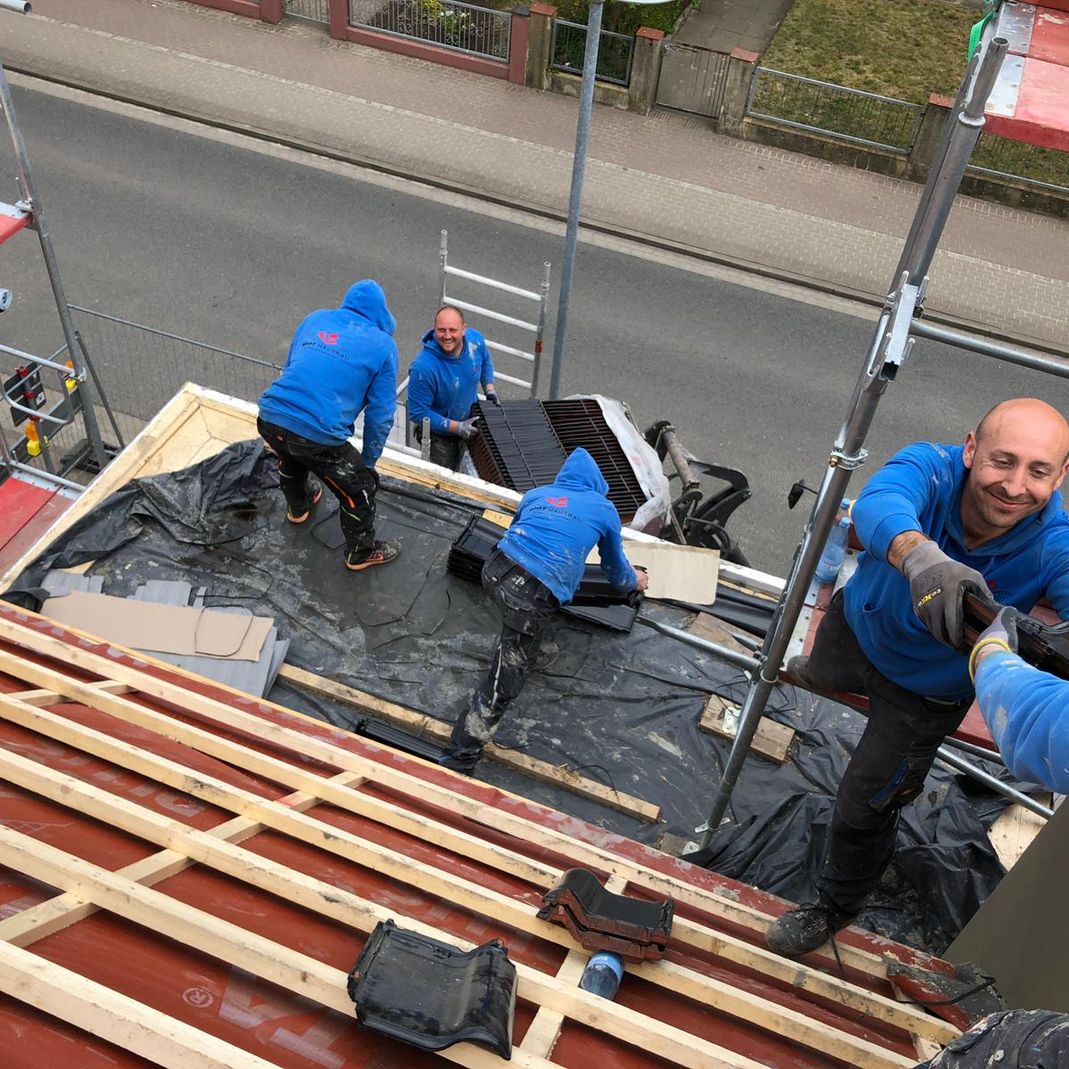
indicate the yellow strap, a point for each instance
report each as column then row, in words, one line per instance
column 992, row 641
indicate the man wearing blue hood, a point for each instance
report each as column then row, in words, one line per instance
column 535, row 568
column 936, row 521
column 342, row 361
column 443, row 384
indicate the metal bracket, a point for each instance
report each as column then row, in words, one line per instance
column 839, row 459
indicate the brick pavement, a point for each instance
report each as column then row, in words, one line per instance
column 666, row 176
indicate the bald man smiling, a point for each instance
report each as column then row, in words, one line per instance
column 936, row 521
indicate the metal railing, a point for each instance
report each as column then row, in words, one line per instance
column 615, row 52
column 850, row 115
column 478, row 31
column 312, row 10
column 1041, row 168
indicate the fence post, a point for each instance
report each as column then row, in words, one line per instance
column 645, row 70
column 271, row 10
column 926, row 143
column 539, row 43
column 519, row 35
column 741, row 66
column 338, row 19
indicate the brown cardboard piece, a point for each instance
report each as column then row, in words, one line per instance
column 680, row 573
column 144, row 625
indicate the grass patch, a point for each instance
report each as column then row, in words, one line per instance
column 626, row 18
column 900, row 48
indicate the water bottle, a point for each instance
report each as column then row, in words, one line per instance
column 831, row 559
column 602, row 974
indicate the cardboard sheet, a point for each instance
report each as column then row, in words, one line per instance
column 681, row 573
column 143, row 625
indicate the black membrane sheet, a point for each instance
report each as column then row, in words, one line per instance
column 623, row 709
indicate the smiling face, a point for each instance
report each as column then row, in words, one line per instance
column 1017, row 458
column 449, row 331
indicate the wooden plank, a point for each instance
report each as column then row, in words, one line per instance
column 1013, row 832
column 771, row 740
column 115, row 1017
column 502, row 519
column 51, row 697
column 524, row 829
column 428, row 725
column 220, row 794
column 340, row 905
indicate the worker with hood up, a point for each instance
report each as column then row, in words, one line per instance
column 534, row 569
column 342, row 361
column 443, row 384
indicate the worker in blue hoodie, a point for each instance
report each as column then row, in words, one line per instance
column 1024, row 707
column 936, row 521
column 534, row 569
column 342, row 361
column 443, row 384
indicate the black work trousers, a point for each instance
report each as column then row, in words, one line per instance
column 526, row 607
column 343, row 473
column 888, row 767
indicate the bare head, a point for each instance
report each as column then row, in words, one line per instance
column 449, row 329
column 1017, row 457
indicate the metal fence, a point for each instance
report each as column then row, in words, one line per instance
column 1045, row 169
column 615, row 52
column 312, row 10
column 478, row 31
column 851, row 115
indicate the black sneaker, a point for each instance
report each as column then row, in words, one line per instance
column 463, row 761
column 315, row 492
column 382, row 553
column 805, row 928
column 547, row 653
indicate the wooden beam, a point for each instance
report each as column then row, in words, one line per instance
column 772, row 740
column 624, row 1024
column 115, row 1017
column 424, row 724
column 331, row 839
column 525, row 830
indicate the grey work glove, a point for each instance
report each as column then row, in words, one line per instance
column 937, row 585
column 491, row 396
column 466, row 429
column 1001, row 633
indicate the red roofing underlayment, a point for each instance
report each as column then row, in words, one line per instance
column 216, row 997
column 26, row 512
column 1030, row 101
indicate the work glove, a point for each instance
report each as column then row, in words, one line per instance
column 937, row 585
column 491, row 396
column 1001, row 633
column 467, row 429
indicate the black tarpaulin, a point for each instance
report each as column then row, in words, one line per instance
column 622, row 709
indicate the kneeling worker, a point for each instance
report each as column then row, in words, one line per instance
column 535, row 568
column 342, row 361
column 443, row 384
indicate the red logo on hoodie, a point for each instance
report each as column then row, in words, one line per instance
column 558, row 502
column 328, row 339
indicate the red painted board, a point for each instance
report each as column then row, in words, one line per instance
column 1040, row 117
column 11, row 224
column 1050, row 36
column 26, row 512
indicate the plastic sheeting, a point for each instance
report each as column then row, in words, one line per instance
column 623, row 709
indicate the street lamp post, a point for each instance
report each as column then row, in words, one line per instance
column 582, row 138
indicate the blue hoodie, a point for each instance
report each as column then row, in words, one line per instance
column 342, row 361
column 919, row 489
column 557, row 526
column 1025, row 710
column 443, row 387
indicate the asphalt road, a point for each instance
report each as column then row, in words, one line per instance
column 207, row 238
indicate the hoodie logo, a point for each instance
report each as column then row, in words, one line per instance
column 328, row 339
column 558, row 502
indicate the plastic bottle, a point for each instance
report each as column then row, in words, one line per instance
column 831, row 559
column 603, row 974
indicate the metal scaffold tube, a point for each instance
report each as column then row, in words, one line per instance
column 889, row 351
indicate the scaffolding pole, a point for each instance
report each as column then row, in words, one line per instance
column 888, row 353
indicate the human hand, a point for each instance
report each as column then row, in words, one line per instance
column 491, row 396
column 1001, row 634
column 642, row 580
column 467, row 429
column 937, row 586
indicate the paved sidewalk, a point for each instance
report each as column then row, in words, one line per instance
column 666, row 177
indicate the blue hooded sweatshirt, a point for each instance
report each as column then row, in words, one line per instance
column 443, row 387
column 1026, row 712
column 557, row 526
column 919, row 489
column 342, row 361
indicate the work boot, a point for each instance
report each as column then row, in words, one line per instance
column 315, row 492
column 805, row 928
column 381, row 553
column 547, row 653
column 461, row 760
column 798, row 669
